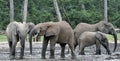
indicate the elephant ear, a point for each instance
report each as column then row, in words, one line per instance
column 52, row 30
column 98, row 36
column 16, row 27
column 103, row 27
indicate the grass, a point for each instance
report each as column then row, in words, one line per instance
column 110, row 37
column 41, row 38
column 3, row 38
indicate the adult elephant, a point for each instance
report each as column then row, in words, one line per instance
column 55, row 32
column 101, row 26
column 88, row 38
column 16, row 31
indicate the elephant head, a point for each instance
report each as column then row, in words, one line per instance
column 22, row 30
column 43, row 29
column 101, row 37
column 108, row 28
column 30, row 26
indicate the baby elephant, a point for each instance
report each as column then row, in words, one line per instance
column 90, row 38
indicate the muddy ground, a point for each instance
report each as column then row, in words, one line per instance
column 37, row 46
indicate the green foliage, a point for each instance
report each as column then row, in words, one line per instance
column 43, row 11
column 4, row 13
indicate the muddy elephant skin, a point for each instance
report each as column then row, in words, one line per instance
column 88, row 38
column 16, row 31
column 55, row 32
column 101, row 26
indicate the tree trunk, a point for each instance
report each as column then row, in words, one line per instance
column 11, row 11
column 83, row 6
column 105, row 10
column 57, row 10
column 25, row 10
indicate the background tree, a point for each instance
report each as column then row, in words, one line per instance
column 11, row 11
column 57, row 10
column 43, row 11
column 25, row 10
column 105, row 10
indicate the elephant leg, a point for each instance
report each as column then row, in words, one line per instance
column 37, row 38
column 10, row 46
column 63, row 50
column 14, row 43
column 22, row 43
column 44, row 46
column 98, row 49
column 74, row 48
column 81, row 48
column 52, row 48
column 68, row 51
column 30, row 44
column 107, row 48
column 71, row 46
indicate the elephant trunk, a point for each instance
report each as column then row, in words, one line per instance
column 115, row 40
column 30, row 41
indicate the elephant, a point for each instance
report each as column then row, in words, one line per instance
column 89, row 38
column 16, row 31
column 55, row 32
column 30, row 27
column 102, row 26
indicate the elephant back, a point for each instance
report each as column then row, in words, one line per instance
column 66, row 32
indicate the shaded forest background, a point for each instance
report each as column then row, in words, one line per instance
column 71, row 10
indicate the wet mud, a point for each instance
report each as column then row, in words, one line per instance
column 37, row 46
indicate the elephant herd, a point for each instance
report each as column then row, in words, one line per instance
column 60, row 32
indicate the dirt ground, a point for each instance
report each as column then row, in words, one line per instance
column 37, row 46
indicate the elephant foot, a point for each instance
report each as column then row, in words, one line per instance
column 81, row 53
column 98, row 54
column 52, row 57
column 31, row 53
column 73, row 57
column 21, row 57
column 109, row 53
column 12, row 57
column 62, row 56
column 43, row 57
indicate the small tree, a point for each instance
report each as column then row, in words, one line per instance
column 57, row 10
column 11, row 11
